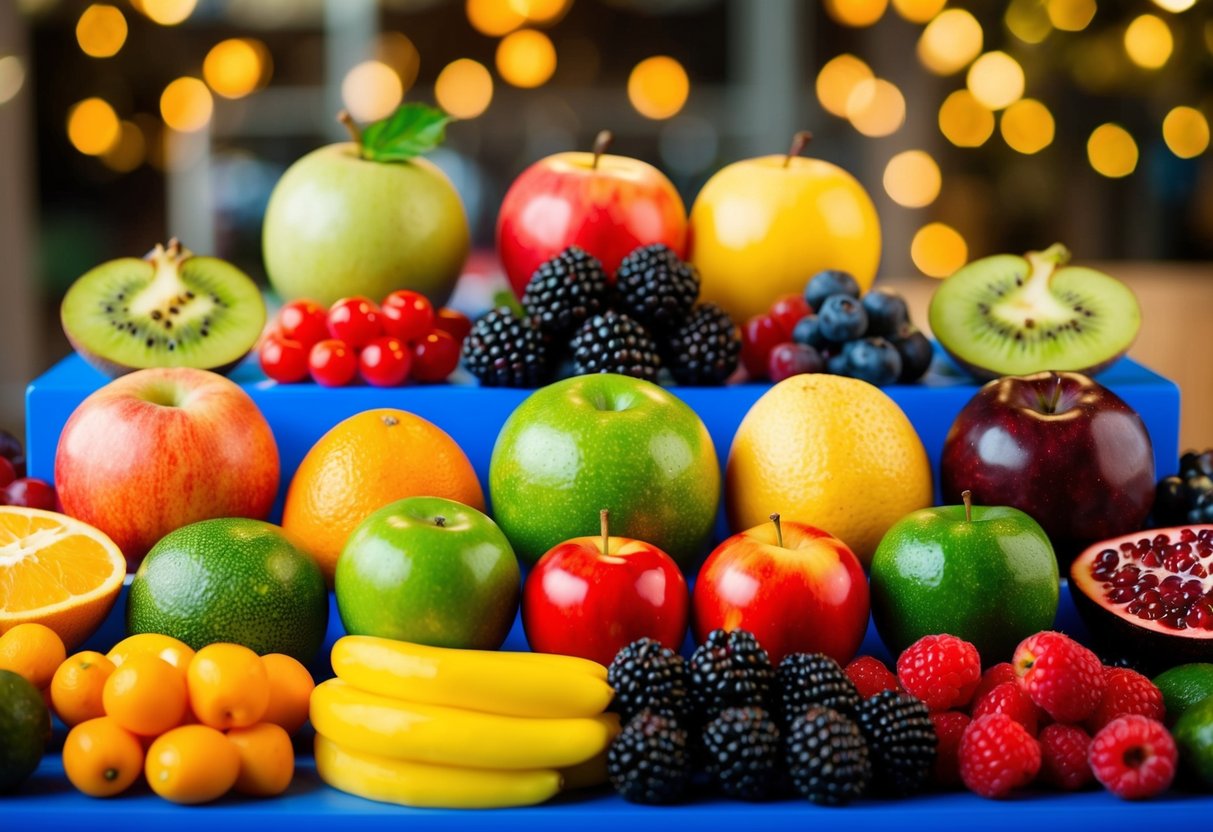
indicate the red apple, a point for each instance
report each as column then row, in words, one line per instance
column 590, row 596
column 607, row 205
column 158, row 449
column 796, row 588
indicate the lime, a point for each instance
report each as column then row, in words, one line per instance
column 25, row 726
column 1184, row 686
column 231, row 580
column 1194, row 735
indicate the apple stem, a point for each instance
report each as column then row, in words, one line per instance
column 601, row 142
column 778, row 529
column 967, row 496
column 440, row 521
column 799, row 142
column 1056, row 394
column 350, row 125
column 604, row 521
column 173, row 249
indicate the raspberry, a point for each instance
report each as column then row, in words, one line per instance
column 997, row 756
column 1062, row 677
column 1134, row 757
column 1127, row 692
column 870, row 676
column 1063, row 757
column 942, row 671
column 949, row 727
column 992, row 678
column 1009, row 698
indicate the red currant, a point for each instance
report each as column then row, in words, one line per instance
column 454, row 322
column 7, row 472
column 283, row 359
column 332, row 363
column 356, row 321
column 435, row 356
column 758, row 337
column 791, row 359
column 787, row 312
column 385, row 362
column 304, row 321
column 408, row 315
column 30, row 493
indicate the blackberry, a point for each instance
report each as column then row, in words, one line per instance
column 646, row 674
column 503, row 350
column 827, row 757
column 901, row 739
column 741, row 748
column 648, row 762
column 808, row 679
column 614, row 343
column 566, row 290
column 1186, row 497
column 728, row 669
column 655, row 287
column 704, row 349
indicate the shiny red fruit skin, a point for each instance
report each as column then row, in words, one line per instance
column 407, row 315
column 356, row 321
column 759, row 336
column 435, row 356
column 30, row 493
column 283, row 359
column 304, row 321
column 385, row 362
column 453, row 322
column 787, row 312
column 580, row 602
column 332, row 363
column 809, row 597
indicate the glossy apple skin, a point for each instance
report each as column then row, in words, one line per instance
column 159, row 449
column 808, row 596
column 580, row 601
column 759, row 230
column 564, row 200
column 1083, row 469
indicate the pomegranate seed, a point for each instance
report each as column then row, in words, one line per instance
column 1187, row 535
column 1121, row 594
column 1161, row 540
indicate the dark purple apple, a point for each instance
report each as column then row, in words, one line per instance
column 1058, row 446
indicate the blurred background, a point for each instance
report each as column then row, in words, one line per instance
column 978, row 127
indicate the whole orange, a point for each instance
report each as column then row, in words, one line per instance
column 101, row 758
column 290, row 691
column 364, row 463
column 192, row 764
column 34, row 651
column 228, row 686
column 146, row 695
column 77, row 685
column 267, row 759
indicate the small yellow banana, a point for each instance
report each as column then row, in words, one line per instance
column 374, row 724
column 430, row 786
column 512, row 684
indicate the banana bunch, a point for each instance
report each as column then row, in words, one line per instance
column 441, row 728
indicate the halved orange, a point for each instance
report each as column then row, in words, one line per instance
column 56, row 571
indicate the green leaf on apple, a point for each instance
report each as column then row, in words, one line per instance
column 410, row 131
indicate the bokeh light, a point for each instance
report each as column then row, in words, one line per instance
column 837, row 80
column 1175, row 6
column 494, row 18
column 950, row 42
column 996, row 80
column 399, row 52
column 92, row 126
column 1186, row 132
column 542, row 12
column 1027, row 126
column 1098, row 63
column 129, row 151
column 1148, row 41
column 856, row 12
column 912, row 179
column 965, row 121
column 236, row 67
column 464, row 88
column 526, row 58
column 658, row 87
column 371, row 90
column 918, row 11
column 1112, row 151
column 1028, row 20
column 101, row 30
column 938, row 250
column 1070, row 15
column 167, row 12
column 186, row 105
column 12, row 78
column 876, row 108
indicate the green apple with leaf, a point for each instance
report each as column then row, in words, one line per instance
column 368, row 217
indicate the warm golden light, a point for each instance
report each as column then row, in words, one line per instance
column 876, row 108
column 1112, row 151
column 918, row 11
column 12, row 78
column 1186, row 132
column 938, row 250
column 541, row 11
column 464, row 88
column 129, row 151
column 658, row 87
column 186, row 105
column 912, row 179
column 101, row 30
column 1028, row 20
column 950, row 42
column 996, row 80
column 964, row 120
column 1070, row 15
column 526, row 58
column 167, row 12
column 1148, row 41
column 856, row 12
column 1175, row 6
column 92, row 126
column 371, row 90
column 1027, row 126
column 494, row 17
column 837, row 79
column 236, row 67
column 399, row 52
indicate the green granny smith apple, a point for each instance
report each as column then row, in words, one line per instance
column 608, row 441
column 430, row 571
column 368, row 217
column 985, row 574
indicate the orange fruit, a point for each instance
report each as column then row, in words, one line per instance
column 146, row 695
column 56, row 571
column 228, row 686
column 371, row 459
column 175, row 652
column 267, row 759
column 101, row 758
column 192, row 764
column 77, row 685
column 290, row 691
column 829, row 451
column 33, row 651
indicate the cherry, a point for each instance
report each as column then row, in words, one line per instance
column 283, row 359
column 435, row 356
column 792, row 359
column 304, row 321
column 758, row 337
column 30, row 493
column 7, row 472
column 787, row 312
column 408, row 315
column 332, row 363
column 454, row 322
column 356, row 321
column 385, row 362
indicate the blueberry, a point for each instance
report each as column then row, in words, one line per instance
column 842, row 319
column 1187, row 464
column 887, row 312
column 1197, row 485
column 829, row 282
column 836, row 365
column 808, row 332
column 1204, row 463
column 915, row 351
column 874, row 360
column 1170, row 502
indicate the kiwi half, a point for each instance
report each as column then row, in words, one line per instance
column 1006, row 315
column 169, row 309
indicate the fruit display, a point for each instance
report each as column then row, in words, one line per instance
column 1015, row 316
